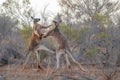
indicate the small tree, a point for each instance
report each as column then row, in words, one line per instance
column 15, row 9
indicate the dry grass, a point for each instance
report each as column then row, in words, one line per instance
column 11, row 72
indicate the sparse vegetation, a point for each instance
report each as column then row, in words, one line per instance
column 93, row 25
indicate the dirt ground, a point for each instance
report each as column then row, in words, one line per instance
column 12, row 72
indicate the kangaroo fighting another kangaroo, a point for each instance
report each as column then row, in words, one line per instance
column 34, row 43
column 63, row 47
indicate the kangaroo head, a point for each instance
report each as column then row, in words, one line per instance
column 35, row 20
column 57, row 20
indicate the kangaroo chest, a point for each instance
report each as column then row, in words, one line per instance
column 60, row 39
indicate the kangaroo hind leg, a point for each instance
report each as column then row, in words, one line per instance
column 26, row 59
column 38, row 61
column 67, row 61
column 77, row 63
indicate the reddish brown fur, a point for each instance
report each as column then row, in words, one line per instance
column 34, row 41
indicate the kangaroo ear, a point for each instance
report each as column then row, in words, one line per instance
column 59, row 15
column 32, row 17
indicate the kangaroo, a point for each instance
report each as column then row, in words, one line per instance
column 34, row 43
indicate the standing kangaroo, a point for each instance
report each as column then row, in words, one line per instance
column 34, row 43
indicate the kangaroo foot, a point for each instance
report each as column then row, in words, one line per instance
column 40, row 68
column 68, row 66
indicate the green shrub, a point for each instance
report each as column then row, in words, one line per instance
column 26, row 32
column 92, row 51
column 102, row 35
column 70, row 32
